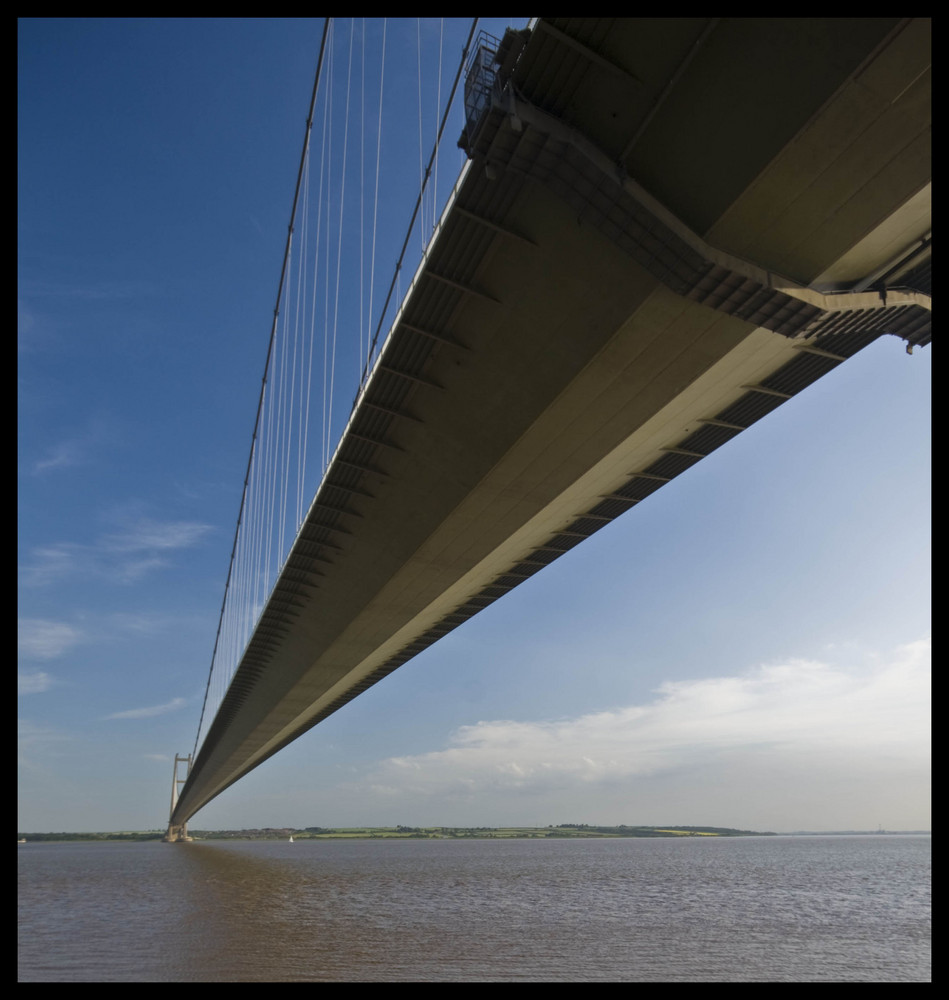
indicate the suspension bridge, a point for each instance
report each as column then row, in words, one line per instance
column 663, row 230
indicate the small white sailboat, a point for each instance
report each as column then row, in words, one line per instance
column 291, row 838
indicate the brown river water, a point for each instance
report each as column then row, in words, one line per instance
column 762, row 909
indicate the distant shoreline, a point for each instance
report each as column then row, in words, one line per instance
column 562, row 832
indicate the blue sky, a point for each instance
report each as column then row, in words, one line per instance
column 749, row 647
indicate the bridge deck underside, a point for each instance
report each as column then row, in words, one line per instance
column 545, row 375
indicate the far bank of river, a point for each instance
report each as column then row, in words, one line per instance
column 409, row 833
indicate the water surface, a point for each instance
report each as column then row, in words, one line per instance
column 698, row 909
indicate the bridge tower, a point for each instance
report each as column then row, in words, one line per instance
column 177, row 832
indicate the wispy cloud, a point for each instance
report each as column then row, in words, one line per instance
column 801, row 719
column 139, row 624
column 64, row 455
column 147, row 535
column 133, row 570
column 124, row 556
column 151, row 710
column 74, row 450
column 42, row 639
column 143, row 547
column 33, row 683
column 51, row 564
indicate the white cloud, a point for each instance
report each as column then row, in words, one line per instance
column 45, row 639
column 51, row 564
column 131, row 570
column 808, row 728
column 146, row 713
column 140, row 623
column 41, row 639
column 125, row 556
column 147, row 536
column 78, row 447
column 65, row 455
column 33, row 683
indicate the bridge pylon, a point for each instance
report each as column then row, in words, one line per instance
column 177, row 832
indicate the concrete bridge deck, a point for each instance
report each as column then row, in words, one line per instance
column 667, row 228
